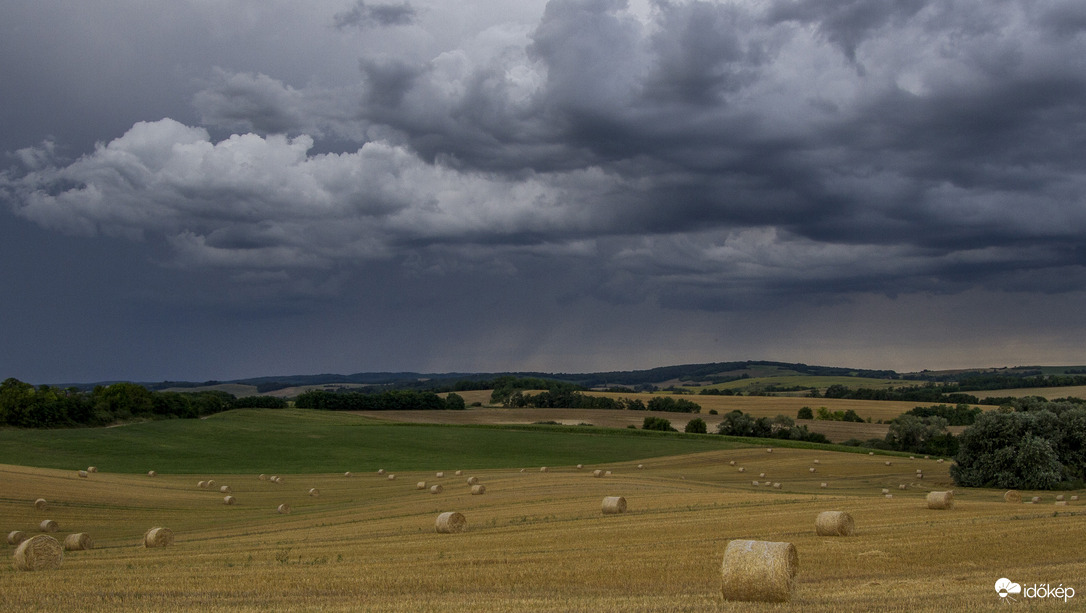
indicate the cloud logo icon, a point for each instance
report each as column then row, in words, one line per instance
column 1005, row 586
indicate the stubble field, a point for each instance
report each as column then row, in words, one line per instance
column 537, row 541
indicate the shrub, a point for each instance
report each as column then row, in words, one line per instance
column 696, row 426
column 805, row 413
column 657, row 423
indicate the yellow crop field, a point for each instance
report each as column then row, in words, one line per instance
column 537, row 541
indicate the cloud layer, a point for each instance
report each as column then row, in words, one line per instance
column 696, row 154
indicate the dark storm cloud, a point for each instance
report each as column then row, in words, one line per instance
column 362, row 15
column 734, row 153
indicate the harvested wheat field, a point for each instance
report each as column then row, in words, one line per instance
column 537, row 541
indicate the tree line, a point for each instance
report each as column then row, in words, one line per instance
column 389, row 400
column 25, row 406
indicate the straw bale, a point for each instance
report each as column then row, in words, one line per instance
column 817, row 462
column 762, row 475
column 16, row 536
column 82, row 474
column 40, row 552
column 940, row 460
column 392, row 477
column 1059, row 496
column 885, row 491
column 473, row 480
column 79, row 541
column 1061, row 503
column 92, row 469
column 40, row 504
column 314, row 492
column 597, row 473
column 436, row 489
column 229, row 500
column 742, row 469
column 940, row 500
column 543, row 469
column 870, row 453
column 824, row 484
column 478, row 489
column 48, row 525
column 902, row 486
column 210, row 483
column 755, row 483
column 262, row 477
column 224, row 489
column 888, row 495
column 152, row 473
column 731, row 463
column 158, row 537
column 458, row 473
column 348, row 474
column 834, row 523
column 640, row 466
column 776, row 486
column 450, row 522
column 580, row 466
column 613, row 505
column 380, row 471
column 811, row 469
column 607, row 473
column 1074, row 498
column 283, row 509
column 440, row 475
column 1035, row 499
column 421, row 485
column 759, row 571
column 202, row 485
column 769, row 450
column 888, row 462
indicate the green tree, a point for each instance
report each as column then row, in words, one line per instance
column 696, row 426
column 805, row 413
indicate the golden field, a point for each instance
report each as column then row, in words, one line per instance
column 538, row 541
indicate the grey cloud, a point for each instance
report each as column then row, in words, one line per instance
column 361, row 15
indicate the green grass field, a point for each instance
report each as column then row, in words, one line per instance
column 302, row 441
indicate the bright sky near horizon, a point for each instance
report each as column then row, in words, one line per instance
column 196, row 190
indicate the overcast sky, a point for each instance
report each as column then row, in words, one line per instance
column 196, row 190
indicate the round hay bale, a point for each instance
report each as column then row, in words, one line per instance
column 48, row 525
column 273, row 479
column 158, row 537
column 731, row 463
column 759, row 571
column 262, row 477
column 16, row 536
column 817, row 461
column 478, row 489
column 885, row 491
column 919, row 475
column 348, row 474
column 870, row 453
column 811, row 469
column 152, row 473
column 1035, row 499
column 940, row 460
column 40, row 504
column 392, row 477
column 755, row 483
column 776, row 486
column 202, row 485
column 640, row 467
column 421, row 485
column 458, row 473
column 607, row 473
column 79, row 541
column 824, row 484
column 473, row 480
column 889, row 496
column 440, row 475
column 888, row 462
column 762, row 475
column 940, row 500
column 229, row 500
column 225, row 489
column 580, row 467
column 768, row 484
column 1059, row 496
column 902, row 486
column 279, row 480
column 39, row 553
column 1061, row 503
column 597, row 473
column 283, row 509
column 82, row 474
column 92, row 469
column 769, row 450
column 1074, row 498
column 543, row 469
column 436, row 489
column 314, row 492
column 834, row 523
column 210, row 483
column 742, row 470
column 613, row 505
column 450, row 522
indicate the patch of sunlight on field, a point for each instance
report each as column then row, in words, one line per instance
column 537, row 541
